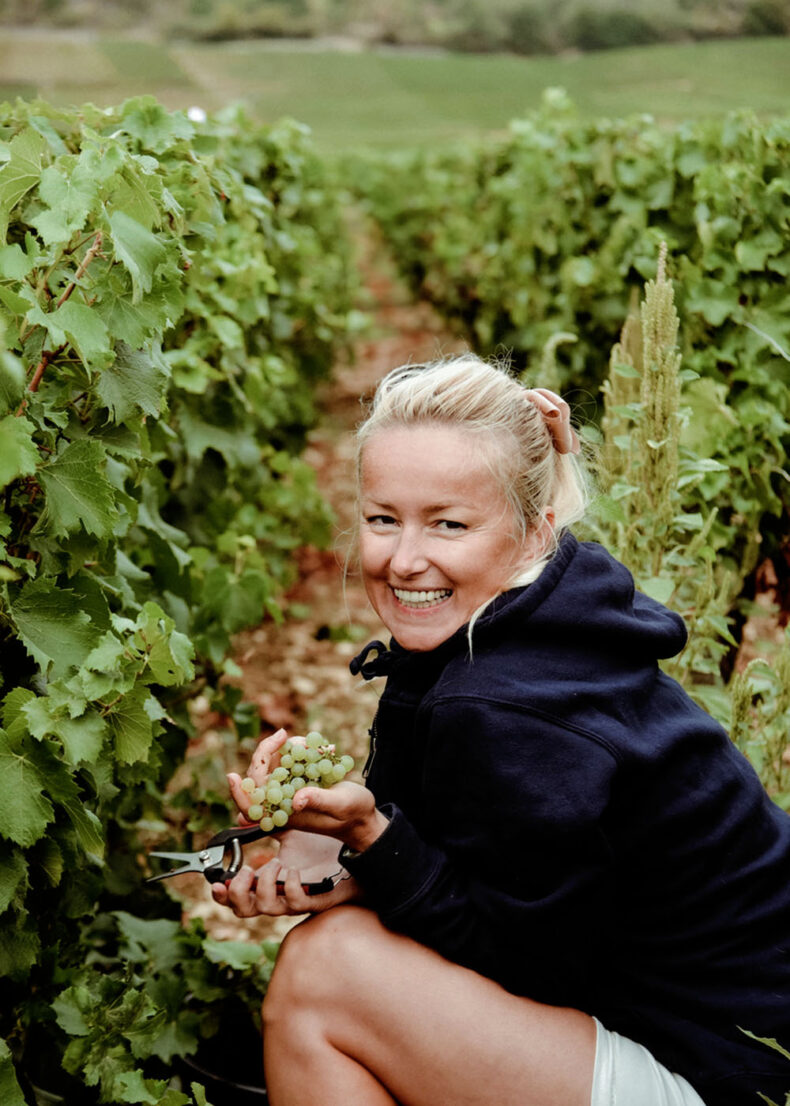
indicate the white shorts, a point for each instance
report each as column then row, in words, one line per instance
column 627, row 1074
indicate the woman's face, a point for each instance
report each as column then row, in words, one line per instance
column 437, row 535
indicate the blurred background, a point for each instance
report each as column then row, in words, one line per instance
column 390, row 73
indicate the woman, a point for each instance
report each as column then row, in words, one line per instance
column 567, row 886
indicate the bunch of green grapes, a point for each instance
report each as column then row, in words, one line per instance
column 314, row 764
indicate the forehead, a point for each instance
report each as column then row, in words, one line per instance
column 443, row 464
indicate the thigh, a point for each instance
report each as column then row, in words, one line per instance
column 429, row 1030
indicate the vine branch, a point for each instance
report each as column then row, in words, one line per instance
column 51, row 354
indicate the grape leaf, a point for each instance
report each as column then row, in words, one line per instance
column 25, row 811
column 131, row 726
column 78, row 493
column 85, row 330
column 15, row 264
column 133, row 1087
column 154, row 126
column 152, row 941
column 136, row 381
column 15, row 303
column 52, row 626
column 236, row 954
column 63, row 790
column 69, row 193
column 14, row 721
column 13, row 872
column 82, row 737
column 19, row 949
column 138, row 250
column 49, row 859
column 12, row 381
column 21, row 173
column 18, row 453
column 10, row 1091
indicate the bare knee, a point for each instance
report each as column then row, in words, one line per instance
column 319, row 962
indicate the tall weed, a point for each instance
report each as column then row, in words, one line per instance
column 647, row 515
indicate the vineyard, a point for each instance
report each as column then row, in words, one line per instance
column 175, row 298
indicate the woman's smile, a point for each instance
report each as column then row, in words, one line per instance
column 438, row 538
column 422, row 600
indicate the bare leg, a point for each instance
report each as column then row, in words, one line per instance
column 359, row 1016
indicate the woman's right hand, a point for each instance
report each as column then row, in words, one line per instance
column 303, row 858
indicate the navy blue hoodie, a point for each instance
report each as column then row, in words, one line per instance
column 566, row 821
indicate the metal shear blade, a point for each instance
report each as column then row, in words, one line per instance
column 209, row 861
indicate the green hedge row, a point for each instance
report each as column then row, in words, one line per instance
column 170, row 293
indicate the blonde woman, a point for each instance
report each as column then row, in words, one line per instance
column 567, row 888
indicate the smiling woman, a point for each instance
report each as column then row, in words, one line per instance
column 557, row 855
column 458, row 481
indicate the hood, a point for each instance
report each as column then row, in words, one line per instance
column 584, row 603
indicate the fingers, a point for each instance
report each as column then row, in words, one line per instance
column 261, row 763
column 239, row 893
column 556, row 414
column 264, row 759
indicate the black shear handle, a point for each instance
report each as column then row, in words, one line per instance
column 244, row 834
column 231, row 840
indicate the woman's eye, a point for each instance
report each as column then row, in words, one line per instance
column 450, row 524
column 380, row 520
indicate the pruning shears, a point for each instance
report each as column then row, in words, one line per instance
column 220, row 860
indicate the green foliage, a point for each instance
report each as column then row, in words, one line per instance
column 648, row 514
column 552, row 230
column 169, row 297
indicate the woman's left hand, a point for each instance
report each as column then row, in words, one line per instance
column 346, row 811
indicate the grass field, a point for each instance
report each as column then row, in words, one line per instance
column 378, row 98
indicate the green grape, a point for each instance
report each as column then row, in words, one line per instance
column 314, row 764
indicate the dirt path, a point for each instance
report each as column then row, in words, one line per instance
column 297, row 672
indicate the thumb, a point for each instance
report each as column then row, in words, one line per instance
column 309, row 798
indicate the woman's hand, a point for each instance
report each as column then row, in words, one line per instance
column 346, row 811
column 264, row 760
column 303, row 858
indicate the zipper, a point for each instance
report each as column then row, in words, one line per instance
column 371, row 754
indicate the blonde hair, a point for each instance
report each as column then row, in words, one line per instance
column 476, row 396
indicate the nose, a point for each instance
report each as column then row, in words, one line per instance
column 409, row 556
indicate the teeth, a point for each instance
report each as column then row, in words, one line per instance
column 422, row 598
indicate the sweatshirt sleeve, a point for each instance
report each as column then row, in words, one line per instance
column 510, row 851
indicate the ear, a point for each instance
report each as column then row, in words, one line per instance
column 539, row 539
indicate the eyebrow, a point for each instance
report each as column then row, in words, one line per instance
column 430, row 509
